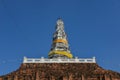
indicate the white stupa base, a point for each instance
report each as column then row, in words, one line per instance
column 59, row 60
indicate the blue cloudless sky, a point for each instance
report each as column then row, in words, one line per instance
column 27, row 27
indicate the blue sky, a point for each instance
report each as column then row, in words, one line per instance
column 27, row 26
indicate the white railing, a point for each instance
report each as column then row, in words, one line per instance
column 59, row 60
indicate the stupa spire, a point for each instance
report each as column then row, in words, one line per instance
column 60, row 46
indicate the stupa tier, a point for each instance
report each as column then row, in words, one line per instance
column 60, row 46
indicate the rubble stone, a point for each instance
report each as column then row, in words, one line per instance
column 61, row 71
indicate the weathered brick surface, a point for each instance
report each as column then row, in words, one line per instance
column 61, row 71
